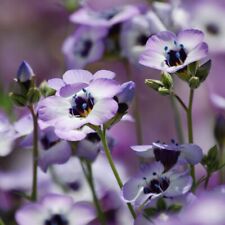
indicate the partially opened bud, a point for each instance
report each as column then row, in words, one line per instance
column 25, row 73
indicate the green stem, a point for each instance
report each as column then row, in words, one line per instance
column 102, row 135
column 207, row 180
column 177, row 119
column 35, row 154
column 89, row 177
column 190, row 129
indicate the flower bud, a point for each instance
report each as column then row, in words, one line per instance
column 219, row 130
column 154, row 84
column 18, row 100
column 194, row 82
column 33, row 95
column 46, row 90
column 24, row 73
column 167, row 80
column 164, row 91
column 203, row 71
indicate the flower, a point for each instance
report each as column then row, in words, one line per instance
column 170, row 53
column 55, row 209
column 168, row 154
column 104, row 18
column 51, row 149
column 135, row 33
column 213, row 26
column 79, row 104
column 85, row 46
column 24, row 73
column 153, row 182
column 7, row 135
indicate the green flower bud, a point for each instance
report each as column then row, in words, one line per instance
column 164, row 91
column 18, row 100
column 33, row 95
column 46, row 90
column 154, row 84
column 203, row 71
column 167, row 80
column 194, row 82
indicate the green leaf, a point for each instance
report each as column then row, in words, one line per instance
column 192, row 68
column 150, row 212
column 203, row 71
column 175, row 208
column 161, row 205
column 1, row 222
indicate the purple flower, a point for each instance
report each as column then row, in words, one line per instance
column 168, row 154
column 213, row 26
column 55, row 209
column 52, row 150
column 87, row 102
column 85, row 46
column 24, row 73
column 90, row 147
column 153, row 182
column 7, row 135
column 167, row 52
column 106, row 18
column 136, row 32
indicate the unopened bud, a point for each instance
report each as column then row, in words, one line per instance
column 167, row 80
column 164, row 91
column 33, row 95
column 194, row 82
column 18, row 100
column 154, row 84
column 25, row 73
column 46, row 90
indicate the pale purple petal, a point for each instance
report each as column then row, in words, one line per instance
column 190, row 38
column 179, row 185
column 104, row 74
column 192, row 153
column 104, row 88
column 24, row 125
column 56, row 83
column 145, row 151
column 77, row 76
column 132, row 189
column 127, row 93
column 218, row 100
column 81, row 214
column 52, row 108
column 31, row 214
column 70, row 135
column 103, row 111
column 158, row 42
column 198, row 53
column 58, row 154
column 70, row 89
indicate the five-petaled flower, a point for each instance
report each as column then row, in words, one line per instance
column 168, row 52
column 152, row 182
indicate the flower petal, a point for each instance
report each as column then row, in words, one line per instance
column 56, row 83
column 77, row 76
column 192, row 153
column 104, row 88
column 145, row 151
column 70, row 89
column 70, row 135
column 190, row 38
column 104, row 74
column 103, row 111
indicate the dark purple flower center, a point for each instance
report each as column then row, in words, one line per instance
column 93, row 137
column 142, row 39
column 167, row 156
column 47, row 143
column 75, row 185
column 87, row 45
column 57, row 219
column 82, row 105
column 109, row 14
column 175, row 57
column 122, row 106
column 157, row 186
column 212, row 29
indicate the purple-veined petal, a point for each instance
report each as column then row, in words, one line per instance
column 77, row 76
column 103, row 110
column 145, row 151
column 104, row 74
column 58, row 154
column 70, row 89
column 104, row 88
column 70, row 135
column 190, row 38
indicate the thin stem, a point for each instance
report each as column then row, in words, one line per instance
column 207, row 180
column 190, row 129
column 102, row 135
column 35, row 154
column 137, row 114
column 177, row 119
column 183, row 105
column 89, row 177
